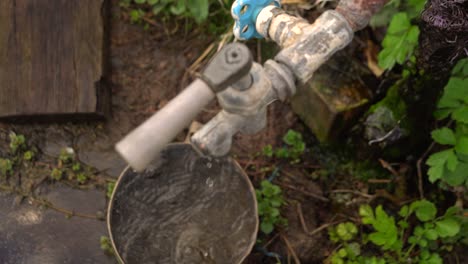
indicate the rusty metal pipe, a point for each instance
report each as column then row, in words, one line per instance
column 359, row 12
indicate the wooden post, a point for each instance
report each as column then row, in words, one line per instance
column 52, row 59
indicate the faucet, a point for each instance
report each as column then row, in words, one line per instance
column 245, row 88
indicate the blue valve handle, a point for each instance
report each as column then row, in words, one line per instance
column 245, row 13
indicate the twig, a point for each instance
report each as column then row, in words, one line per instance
column 313, row 195
column 304, row 225
column 271, row 240
column 290, row 249
column 389, row 167
column 379, row 181
column 418, row 165
column 62, row 210
column 369, row 196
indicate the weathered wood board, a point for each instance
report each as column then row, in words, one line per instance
column 52, row 59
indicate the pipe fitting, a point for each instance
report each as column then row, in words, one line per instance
column 330, row 33
column 244, row 101
column 275, row 24
column 281, row 78
column 215, row 138
column 359, row 12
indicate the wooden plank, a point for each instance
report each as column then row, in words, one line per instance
column 51, row 58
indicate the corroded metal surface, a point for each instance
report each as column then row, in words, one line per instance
column 359, row 12
column 329, row 33
column 187, row 208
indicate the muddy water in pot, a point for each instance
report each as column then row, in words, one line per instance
column 185, row 209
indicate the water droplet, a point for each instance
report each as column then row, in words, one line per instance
column 209, row 182
column 209, row 165
column 205, row 254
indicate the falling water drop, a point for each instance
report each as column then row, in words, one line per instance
column 209, row 182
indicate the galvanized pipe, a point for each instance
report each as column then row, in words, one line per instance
column 275, row 24
column 359, row 12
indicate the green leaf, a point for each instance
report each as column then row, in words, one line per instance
column 447, row 227
column 178, row 9
column 435, row 172
column 399, row 42
column 140, row 1
column 415, row 7
column 462, row 146
column 440, row 114
column 274, row 212
column 424, row 210
column 276, row 202
column 434, row 259
column 404, row 211
column 452, row 161
column 452, row 93
column 461, row 68
column 346, row 231
column 366, row 213
column 431, row 234
column 198, row 9
column 266, row 227
column 439, row 158
column 353, row 249
column 457, row 177
column 387, row 233
column 461, row 114
column 444, row 136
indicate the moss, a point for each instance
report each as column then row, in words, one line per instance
column 392, row 101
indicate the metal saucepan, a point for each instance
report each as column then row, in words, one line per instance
column 185, row 208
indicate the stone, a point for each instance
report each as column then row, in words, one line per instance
column 331, row 100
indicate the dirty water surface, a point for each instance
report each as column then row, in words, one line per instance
column 184, row 209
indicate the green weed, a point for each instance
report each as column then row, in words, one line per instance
column 106, row 245
column 402, row 35
column 450, row 165
column 6, row 167
column 110, row 189
column 17, row 142
column 293, row 150
column 196, row 10
column 421, row 239
column 270, row 199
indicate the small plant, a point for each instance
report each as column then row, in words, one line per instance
column 398, row 242
column 195, row 9
column 81, row 178
column 17, row 142
column 270, row 200
column 106, row 245
column 450, row 165
column 28, row 155
column 110, row 189
column 56, row 174
column 6, row 167
column 76, row 167
column 67, row 155
column 402, row 36
column 293, row 150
